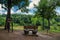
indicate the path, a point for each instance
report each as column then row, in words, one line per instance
column 18, row 35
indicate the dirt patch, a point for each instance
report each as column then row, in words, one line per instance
column 18, row 35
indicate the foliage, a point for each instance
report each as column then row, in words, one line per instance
column 19, row 3
column 46, row 9
column 20, row 18
column 2, row 20
column 8, row 4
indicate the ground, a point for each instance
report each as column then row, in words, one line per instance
column 19, row 35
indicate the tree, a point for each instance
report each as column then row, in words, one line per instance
column 46, row 9
column 9, row 4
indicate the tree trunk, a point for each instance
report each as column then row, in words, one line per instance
column 7, row 24
column 48, row 25
column 43, row 24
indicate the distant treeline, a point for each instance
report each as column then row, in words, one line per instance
column 22, row 19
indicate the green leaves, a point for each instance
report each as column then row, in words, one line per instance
column 46, row 8
column 19, row 3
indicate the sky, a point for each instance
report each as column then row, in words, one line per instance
column 31, row 7
column 58, row 10
column 14, row 9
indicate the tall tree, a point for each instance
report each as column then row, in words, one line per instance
column 9, row 4
column 46, row 9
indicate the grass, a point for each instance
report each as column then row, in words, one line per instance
column 18, row 28
column 15, row 27
column 57, row 30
